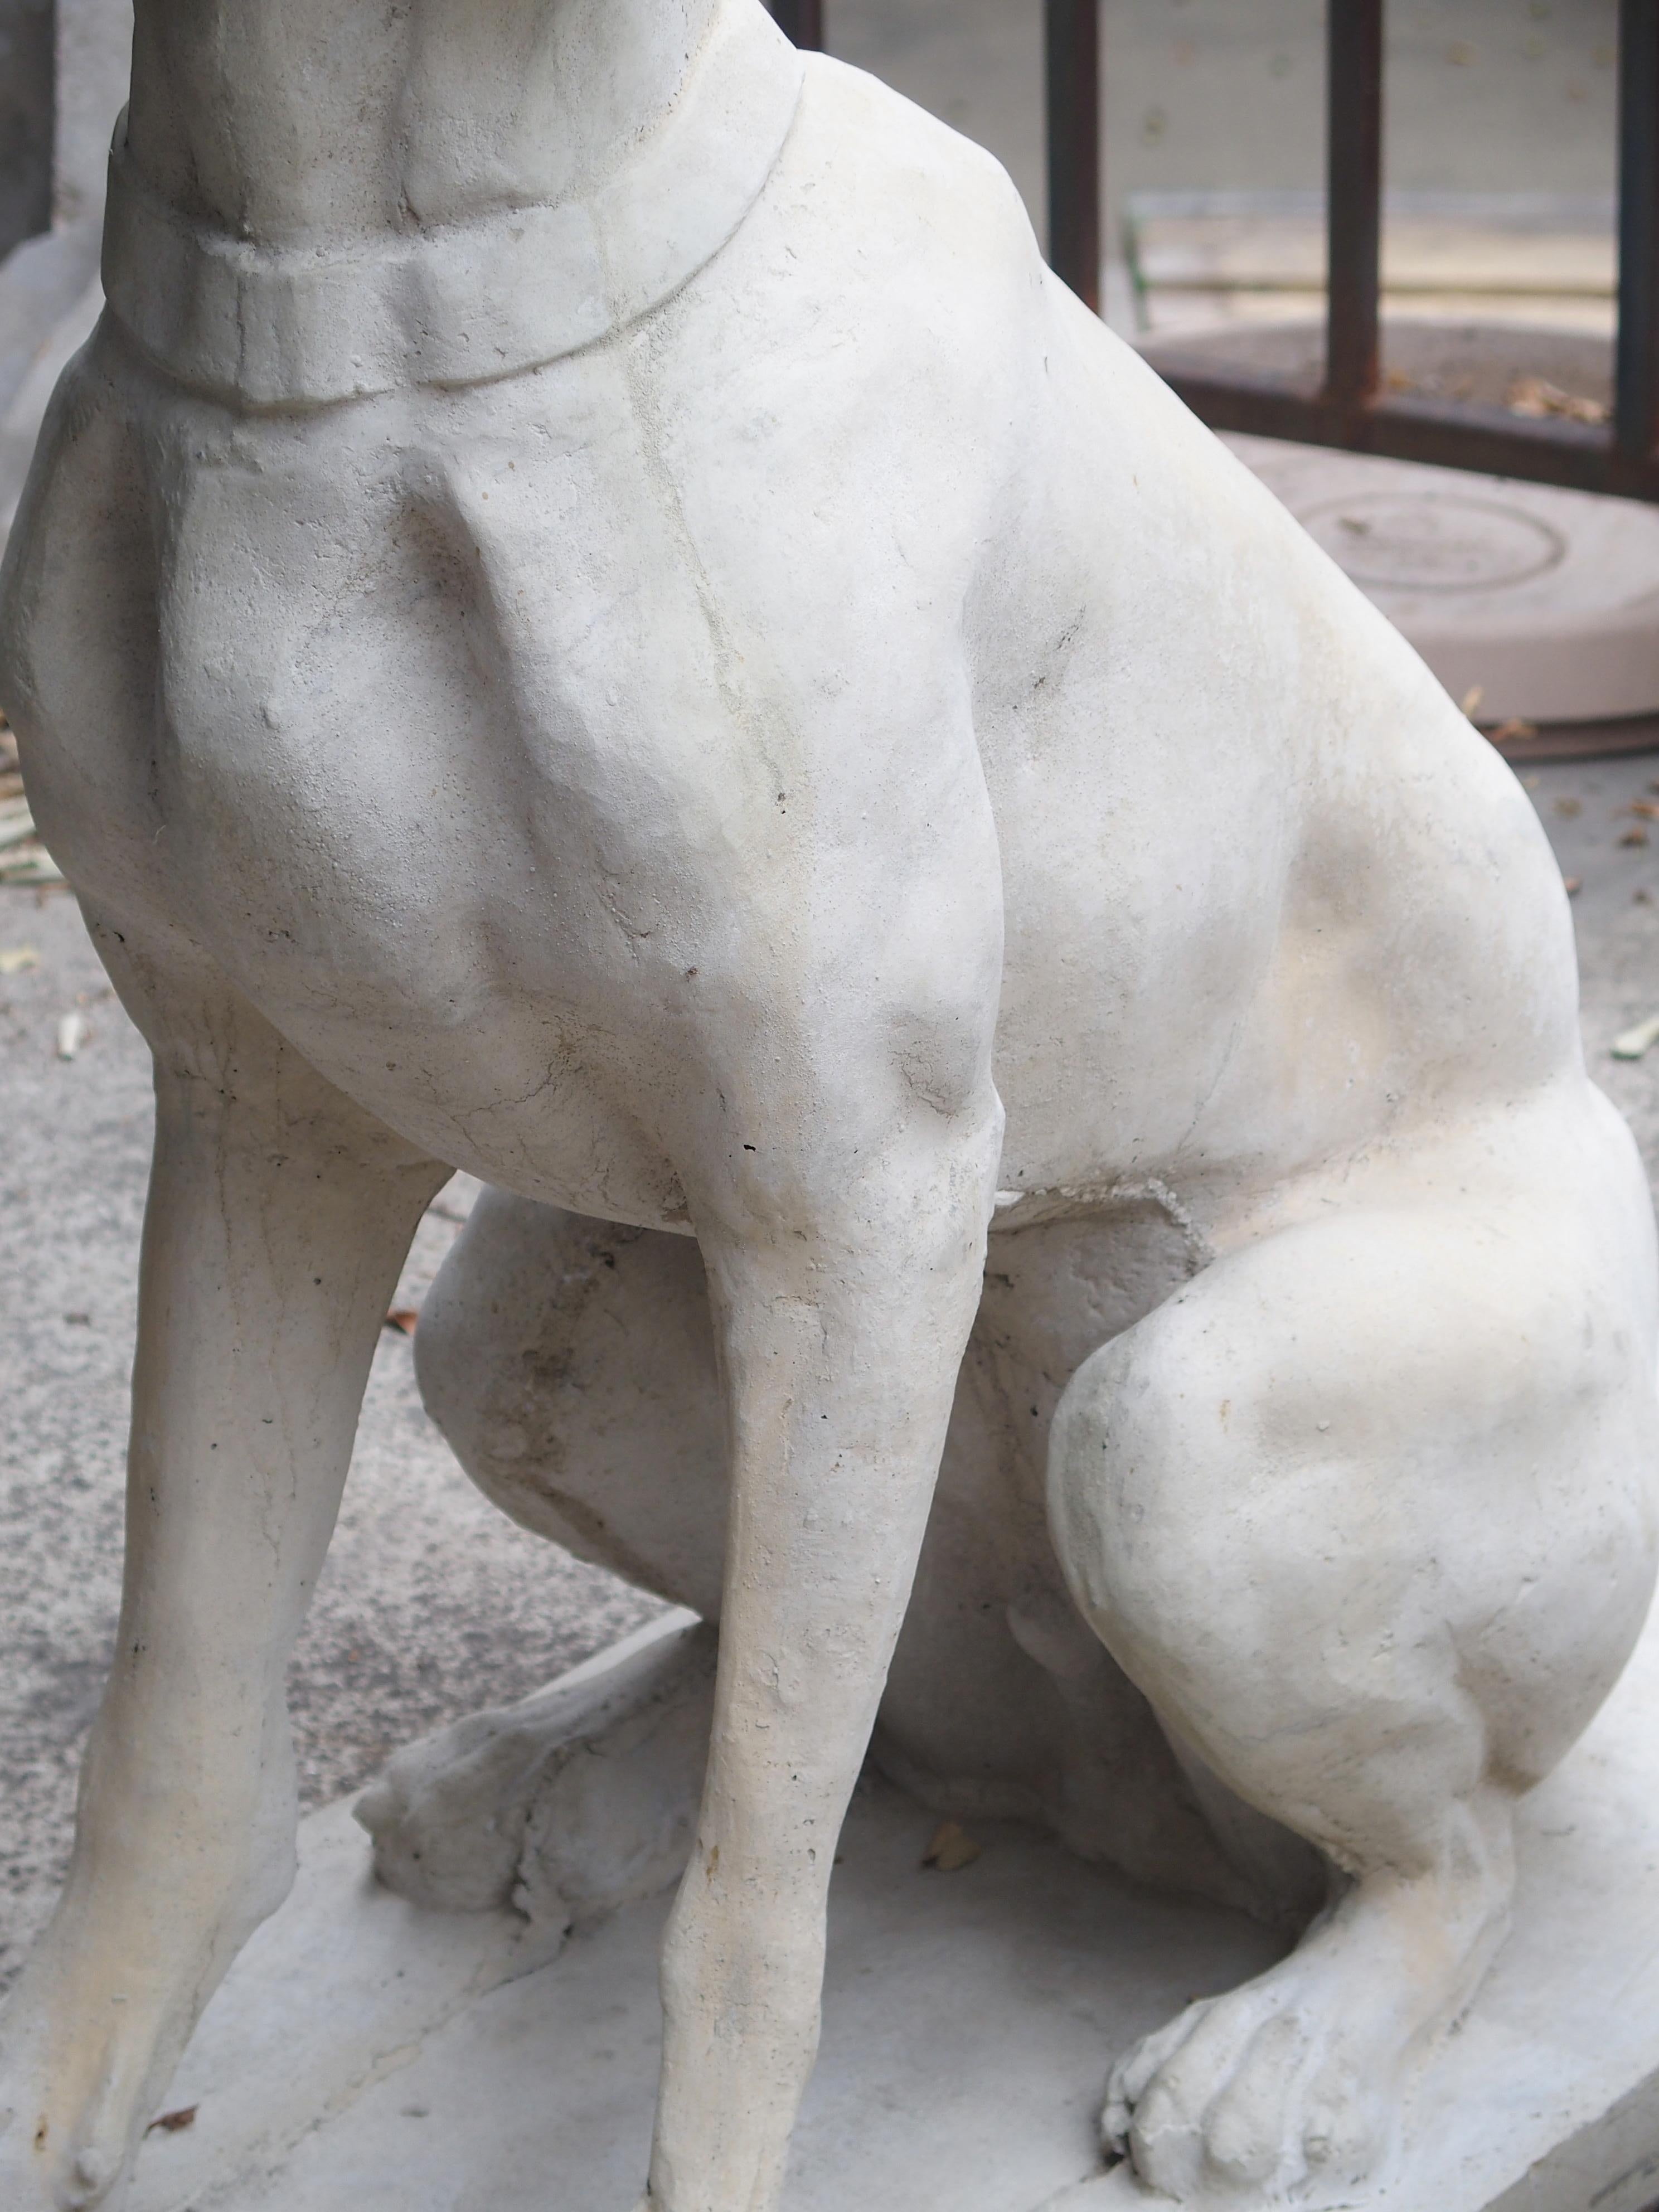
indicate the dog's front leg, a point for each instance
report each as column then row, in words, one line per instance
column 842, row 1331
column 277, row 1220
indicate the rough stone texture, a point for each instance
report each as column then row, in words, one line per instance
column 432, row 1603
column 1361, row 999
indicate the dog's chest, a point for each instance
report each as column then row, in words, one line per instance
column 447, row 771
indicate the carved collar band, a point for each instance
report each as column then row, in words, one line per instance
column 466, row 303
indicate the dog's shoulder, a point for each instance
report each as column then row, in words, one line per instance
column 899, row 191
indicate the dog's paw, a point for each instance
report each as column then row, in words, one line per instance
column 448, row 1814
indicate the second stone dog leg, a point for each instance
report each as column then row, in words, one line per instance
column 840, row 1348
column 278, row 1218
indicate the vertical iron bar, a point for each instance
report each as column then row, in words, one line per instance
column 803, row 19
column 1355, row 210
column 1071, row 88
column 1636, row 413
column 28, row 102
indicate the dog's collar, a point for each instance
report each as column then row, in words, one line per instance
column 469, row 302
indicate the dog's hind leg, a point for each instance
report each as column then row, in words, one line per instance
column 279, row 1215
column 1368, row 1510
column 570, row 1363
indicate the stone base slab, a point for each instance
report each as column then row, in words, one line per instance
column 364, row 2057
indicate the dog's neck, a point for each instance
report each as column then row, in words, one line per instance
column 299, row 122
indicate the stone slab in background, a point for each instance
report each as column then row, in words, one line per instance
column 970, row 2021
column 1536, row 602
column 1529, row 603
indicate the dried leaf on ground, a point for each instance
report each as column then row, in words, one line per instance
column 1506, row 732
column 1535, row 397
column 951, row 1849
column 402, row 1318
column 1471, row 698
column 1631, row 1044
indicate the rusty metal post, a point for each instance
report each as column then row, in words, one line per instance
column 803, row 19
column 28, row 86
column 1636, row 412
column 1354, row 211
column 1071, row 88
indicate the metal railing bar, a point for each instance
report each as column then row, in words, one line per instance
column 1071, row 65
column 1447, row 434
column 1349, row 412
column 800, row 20
column 1354, row 205
column 1636, row 381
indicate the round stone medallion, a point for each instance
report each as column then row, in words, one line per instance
column 1395, row 541
column 1538, row 605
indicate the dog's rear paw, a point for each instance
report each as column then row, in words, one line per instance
column 448, row 1814
column 580, row 1799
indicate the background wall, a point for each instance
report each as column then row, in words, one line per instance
column 1483, row 96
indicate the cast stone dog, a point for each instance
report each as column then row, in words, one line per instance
column 591, row 614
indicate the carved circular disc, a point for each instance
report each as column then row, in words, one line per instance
column 1408, row 542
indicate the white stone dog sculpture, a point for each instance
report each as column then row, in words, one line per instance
column 591, row 614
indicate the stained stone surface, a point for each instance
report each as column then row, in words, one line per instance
column 431, row 1602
